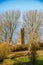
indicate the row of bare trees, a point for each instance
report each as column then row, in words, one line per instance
column 31, row 19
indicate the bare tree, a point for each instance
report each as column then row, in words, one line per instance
column 32, row 21
column 10, row 21
column 1, row 26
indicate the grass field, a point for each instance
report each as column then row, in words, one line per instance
column 25, row 60
column 22, row 59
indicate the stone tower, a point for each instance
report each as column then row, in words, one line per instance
column 21, row 37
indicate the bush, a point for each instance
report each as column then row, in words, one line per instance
column 28, row 46
column 11, row 62
column 8, row 62
column 20, row 47
column 4, row 50
column 41, row 45
column 24, row 47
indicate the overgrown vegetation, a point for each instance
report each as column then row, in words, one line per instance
column 5, row 49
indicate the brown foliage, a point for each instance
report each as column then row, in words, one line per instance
column 5, row 49
column 21, row 47
column 8, row 62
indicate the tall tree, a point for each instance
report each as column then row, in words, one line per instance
column 1, row 26
column 32, row 20
column 10, row 21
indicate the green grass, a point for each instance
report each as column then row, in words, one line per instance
column 22, row 59
column 40, row 58
column 26, row 60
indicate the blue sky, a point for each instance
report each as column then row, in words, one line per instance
column 22, row 5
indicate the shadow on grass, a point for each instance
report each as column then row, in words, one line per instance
column 28, row 63
column 22, row 63
column 40, row 62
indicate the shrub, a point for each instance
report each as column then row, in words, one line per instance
column 20, row 47
column 11, row 62
column 27, row 46
column 4, row 51
column 37, row 45
column 8, row 62
column 41, row 45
